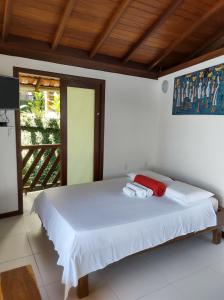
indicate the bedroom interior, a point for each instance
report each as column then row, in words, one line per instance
column 111, row 182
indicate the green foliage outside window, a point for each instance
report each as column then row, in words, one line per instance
column 36, row 128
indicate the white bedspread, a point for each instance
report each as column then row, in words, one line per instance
column 93, row 225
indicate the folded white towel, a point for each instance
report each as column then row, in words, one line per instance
column 141, row 191
column 149, row 192
column 128, row 192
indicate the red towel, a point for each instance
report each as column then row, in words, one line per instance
column 158, row 187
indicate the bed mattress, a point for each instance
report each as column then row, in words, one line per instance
column 93, row 225
column 215, row 203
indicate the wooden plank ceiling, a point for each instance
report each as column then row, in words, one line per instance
column 38, row 82
column 137, row 37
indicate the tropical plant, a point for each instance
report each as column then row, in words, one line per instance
column 36, row 128
column 55, row 104
column 36, row 106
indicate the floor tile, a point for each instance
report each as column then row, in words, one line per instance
column 32, row 222
column 12, row 247
column 96, row 287
column 12, row 226
column 49, row 270
column 28, row 202
column 43, row 294
column 167, row 293
column 218, row 266
column 203, row 285
column 27, row 205
column 16, row 263
column 55, row 291
column 102, row 293
column 133, row 278
column 179, row 260
column 39, row 242
column 96, row 279
column 34, row 194
column 203, row 248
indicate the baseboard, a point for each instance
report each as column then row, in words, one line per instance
column 10, row 214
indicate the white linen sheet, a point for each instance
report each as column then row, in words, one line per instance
column 93, row 225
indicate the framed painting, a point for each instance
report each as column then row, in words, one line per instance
column 200, row 93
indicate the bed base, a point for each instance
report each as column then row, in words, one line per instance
column 82, row 289
column 217, row 234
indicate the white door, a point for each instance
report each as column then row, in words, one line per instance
column 80, row 135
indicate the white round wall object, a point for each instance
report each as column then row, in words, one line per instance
column 165, row 85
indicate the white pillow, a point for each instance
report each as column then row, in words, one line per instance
column 151, row 174
column 186, row 194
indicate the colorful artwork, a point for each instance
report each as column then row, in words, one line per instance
column 201, row 92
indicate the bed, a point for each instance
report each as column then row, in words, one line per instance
column 93, row 225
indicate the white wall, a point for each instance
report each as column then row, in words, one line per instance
column 140, row 131
column 8, row 178
column 191, row 148
column 131, row 115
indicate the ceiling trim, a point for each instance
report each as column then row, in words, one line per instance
column 24, row 47
column 187, row 33
column 194, row 61
column 209, row 43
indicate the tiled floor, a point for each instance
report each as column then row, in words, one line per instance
column 188, row 270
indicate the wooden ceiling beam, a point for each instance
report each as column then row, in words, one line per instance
column 41, row 87
column 208, row 44
column 6, row 18
column 114, row 19
column 37, row 86
column 63, row 21
column 193, row 61
column 152, row 28
column 187, row 33
column 29, row 48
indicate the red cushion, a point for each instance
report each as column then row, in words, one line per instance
column 157, row 187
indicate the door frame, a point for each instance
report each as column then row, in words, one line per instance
column 98, row 125
column 65, row 81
